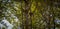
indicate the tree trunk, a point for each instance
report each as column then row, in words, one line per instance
column 26, row 10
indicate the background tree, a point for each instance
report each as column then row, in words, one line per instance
column 31, row 14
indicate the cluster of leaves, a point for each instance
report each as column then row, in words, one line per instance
column 41, row 14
